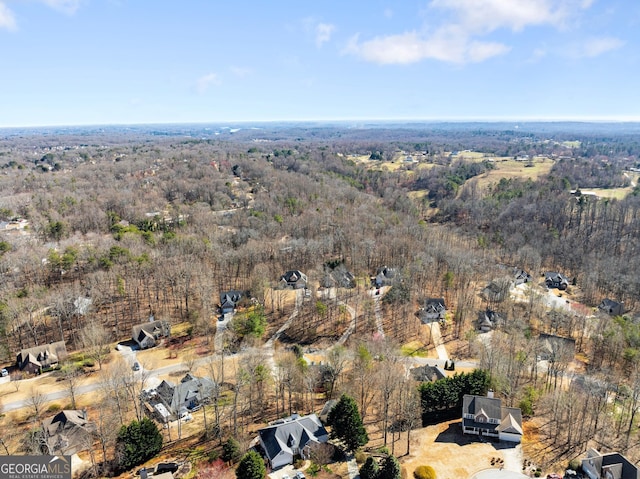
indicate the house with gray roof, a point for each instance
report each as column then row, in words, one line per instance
column 434, row 310
column 611, row 307
column 611, row 465
column 556, row 280
column 288, row 438
column 294, row 279
column 489, row 320
column 427, row 373
column 229, row 300
column 520, row 276
column 171, row 399
column 147, row 335
column 485, row 416
column 384, row 277
column 68, row 432
column 555, row 348
column 35, row 360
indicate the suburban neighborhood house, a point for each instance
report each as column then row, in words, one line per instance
column 384, row 277
column 169, row 400
column 521, row 276
column 229, row 300
column 287, row 438
column 427, row 373
column 555, row 348
column 68, row 432
column 489, row 320
column 146, row 335
column 556, row 280
column 35, row 360
column 434, row 310
column 485, row 416
column 294, row 279
column 608, row 466
column 611, row 307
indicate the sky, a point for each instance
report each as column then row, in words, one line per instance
column 94, row 62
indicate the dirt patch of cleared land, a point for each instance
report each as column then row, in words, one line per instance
column 510, row 168
column 448, row 451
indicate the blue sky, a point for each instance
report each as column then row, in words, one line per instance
column 73, row 62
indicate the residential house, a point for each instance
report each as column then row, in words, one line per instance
column 485, row 416
column 434, row 310
column 497, row 290
column 67, row 433
column 427, row 373
column 35, row 360
column 229, row 300
column 521, row 276
column 489, row 320
column 555, row 348
column 288, row 438
column 556, row 280
column 146, row 335
column 384, row 277
column 326, row 409
column 338, row 276
column 294, row 279
column 611, row 307
column 169, row 399
column 611, row 465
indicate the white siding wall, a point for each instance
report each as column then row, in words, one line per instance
column 505, row 436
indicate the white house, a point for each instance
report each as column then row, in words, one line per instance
column 485, row 416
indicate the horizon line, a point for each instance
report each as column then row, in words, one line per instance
column 568, row 119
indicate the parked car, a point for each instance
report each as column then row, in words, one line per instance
column 300, row 475
column 136, row 366
column 285, row 476
column 4, row 373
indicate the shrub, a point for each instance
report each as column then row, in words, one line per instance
column 231, row 450
column 54, row 408
column 360, row 457
column 424, row 472
column 575, row 464
column 313, row 469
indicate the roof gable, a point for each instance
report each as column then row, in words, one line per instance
column 292, row 432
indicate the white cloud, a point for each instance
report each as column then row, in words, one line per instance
column 537, row 55
column 446, row 45
column 597, row 46
column 7, row 20
column 489, row 15
column 206, row 81
column 459, row 37
column 240, row 72
column 323, row 33
column 66, row 6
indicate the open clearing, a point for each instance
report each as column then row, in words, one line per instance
column 510, row 168
column 452, row 454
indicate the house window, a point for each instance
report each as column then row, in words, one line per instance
column 481, row 418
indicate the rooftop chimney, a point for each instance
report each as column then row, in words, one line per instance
column 490, row 393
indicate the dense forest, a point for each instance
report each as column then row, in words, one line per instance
column 159, row 221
